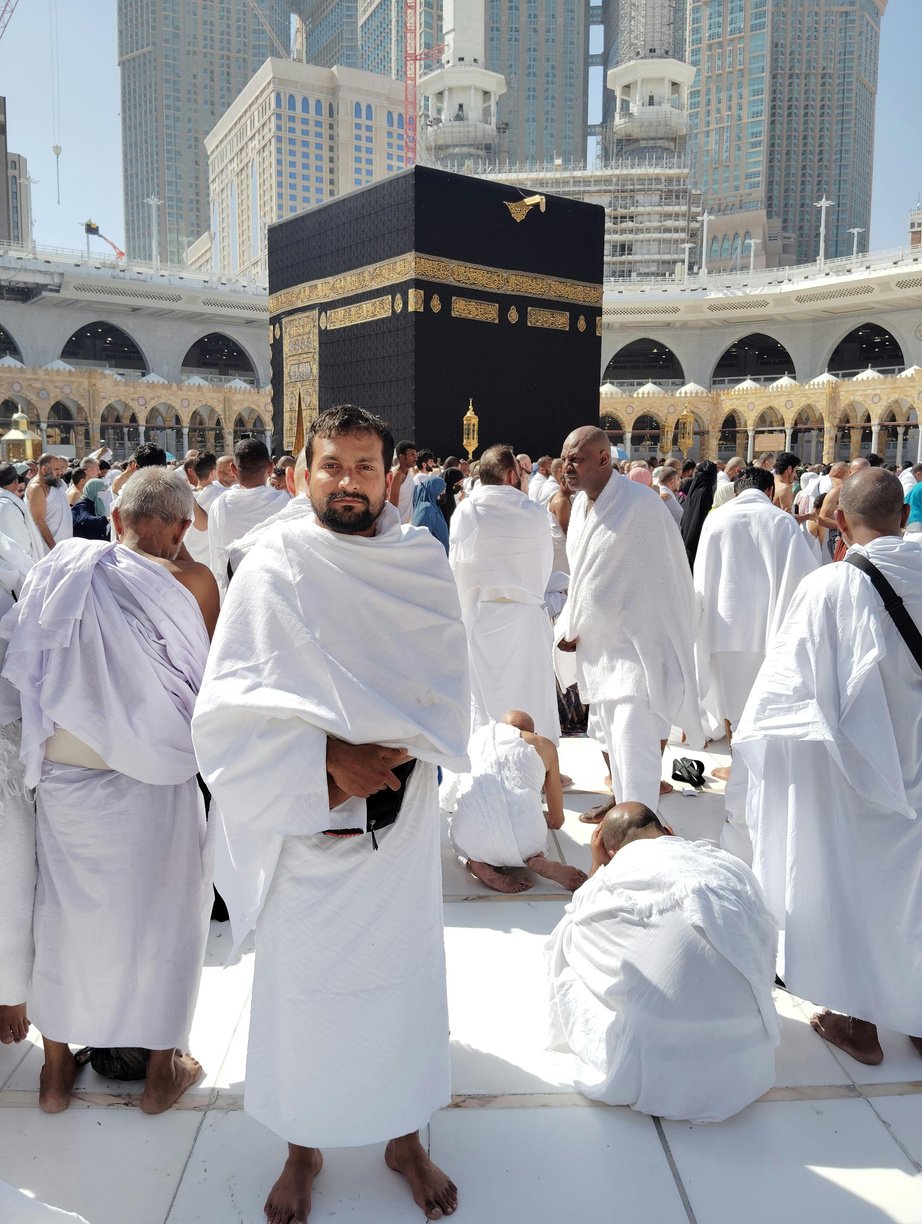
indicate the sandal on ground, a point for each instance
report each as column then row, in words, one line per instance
column 684, row 769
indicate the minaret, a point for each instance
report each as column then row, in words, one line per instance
column 458, row 126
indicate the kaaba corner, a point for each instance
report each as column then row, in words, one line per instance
column 427, row 292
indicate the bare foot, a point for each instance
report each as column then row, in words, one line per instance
column 432, row 1189
column 606, row 781
column 721, row 773
column 595, row 815
column 665, row 788
column 565, row 781
column 496, row 879
column 289, row 1200
column 169, row 1074
column 858, row 1038
column 14, row 1023
column 569, row 877
column 56, row 1082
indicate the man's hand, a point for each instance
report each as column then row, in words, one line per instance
column 362, row 769
column 568, row 645
column 600, row 856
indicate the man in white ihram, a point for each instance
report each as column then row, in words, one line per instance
column 751, row 558
column 235, row 512
column 501, row 553
column 661, row 973
column 829, row 753
column 106, row 648
column 628, row 617
column 320, row 747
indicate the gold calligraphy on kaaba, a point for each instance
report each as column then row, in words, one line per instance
column 557, row 320
column 451, row 272
column 361, row 312
column 473, row 308
column 416, row 300
column 301, row 378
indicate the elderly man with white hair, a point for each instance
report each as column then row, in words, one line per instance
column 105, row 651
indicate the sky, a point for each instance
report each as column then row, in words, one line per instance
column 89, row 130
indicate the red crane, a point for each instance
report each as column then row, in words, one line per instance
column 7, row 8
column 412, row 58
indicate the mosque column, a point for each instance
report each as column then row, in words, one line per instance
column 900, row 439
column 627, row 442
column 185, row 438
column 43, row 430
column 750, row 445
column 267, row 437
column 855, row 433
column 919, row 443
column 875, row 437
column 788, row 438
column 829, row 442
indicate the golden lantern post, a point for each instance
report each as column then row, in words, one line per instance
column 470, row 423
column 686, row 432
column 18, row 442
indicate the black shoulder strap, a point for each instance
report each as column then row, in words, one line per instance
column 893, row 604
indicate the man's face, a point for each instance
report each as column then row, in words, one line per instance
column 786, row 477
column 47, row 474
column 91, row 467
column 465, row 467
column 347, row 483
column 585, row 468
column 525, row 463
column 225, row 472
column 408, row 460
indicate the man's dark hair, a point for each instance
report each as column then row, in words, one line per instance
column 150, row 455
column 626, row 822
column 205, row 464
column 8, row 475
column 78, row 476
column 104, row 466
column 251, row 457
column 348, row 419
column 451, row 462
column 495, row 462
column 424, row 456
column 875, row 460
column 402, row 447
column 784, row 461
column 917, row 469
column 688, row 467
column 46, row 459
column 754, row 478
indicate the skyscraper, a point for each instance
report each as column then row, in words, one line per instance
column 182, row 63
column 782, row 112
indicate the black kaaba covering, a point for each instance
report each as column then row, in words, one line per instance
column 421, row 293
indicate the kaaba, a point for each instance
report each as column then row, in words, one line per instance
column 428, row 292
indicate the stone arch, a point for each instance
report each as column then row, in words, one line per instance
column 613, row 427
column 645, row 360
column 218, row 358
column 755, row 355
column 66, row 428
column 163, row 426
column 731, row 438
column 112, row 429
column 646, row 435
column 807, row 434
column 894, row 419
column 103, row 345
column 8, row 346
column 198, row 431
column 768, row 417
column 869, row 344
column 699, row 448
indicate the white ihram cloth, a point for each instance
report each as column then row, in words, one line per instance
column 297, row 507
column 349, row 1027
column 15, row 564
column 502, row 553
column 109, row 647
column 57, row 515
column 234, row 514
column 196, row 542
column 498, row 816
column 751, row 558
column 17, row 871
column 828, row 775
column 536, row 483
column 16, row 1207
column 16, row 523
column 661, row 974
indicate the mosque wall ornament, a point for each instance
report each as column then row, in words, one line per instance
column 435, row 303
column 512, row 315
column 556, row 320
column 476, row 309
column 360, row 312
column 416, row 300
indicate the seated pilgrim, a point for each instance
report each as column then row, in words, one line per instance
column 661, row 974
column 498, row 820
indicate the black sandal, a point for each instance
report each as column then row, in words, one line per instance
column 686, row 770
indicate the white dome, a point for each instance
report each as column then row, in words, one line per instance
column 152, row 378
column 692, row 388
column 783, row 383
column 823, row 380
column 194, row 381
column 649, row 388
column 58, row 365
column 912, row 371
column 747, row 385
column 609, row 391
column 868, row 375
column 11, row 361
column 237, row 384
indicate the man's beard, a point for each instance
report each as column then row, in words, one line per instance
column 53, row 482
column 346, row 520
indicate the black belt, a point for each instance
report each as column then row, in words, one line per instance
column 382, row 808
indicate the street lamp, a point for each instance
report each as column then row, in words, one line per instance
column 704, row 219
column 154, row 229
column 752, row 243
column 854, row 233
column 687, row 247
column 822, row 205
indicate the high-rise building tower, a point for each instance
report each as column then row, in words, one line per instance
column 182, row 63
column 541, row 47
column 782, row 112
column 4, row 196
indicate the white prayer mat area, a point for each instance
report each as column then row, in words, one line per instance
column 833, row 1140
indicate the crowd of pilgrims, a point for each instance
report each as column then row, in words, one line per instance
column 285, row 674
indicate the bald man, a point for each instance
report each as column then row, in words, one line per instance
column 628, row 617
column 661, row 974
column 829, row 779
column 499, row 822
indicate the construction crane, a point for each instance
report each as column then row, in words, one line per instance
column 412, row 58
column 7, row 8
column 273, row 38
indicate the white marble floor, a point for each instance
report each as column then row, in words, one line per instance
column 832, row 1141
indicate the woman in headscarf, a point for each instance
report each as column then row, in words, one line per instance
column 641, row 474
column 89, row 513
column 697, row 506
column 454, row 488
column 426, row 509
